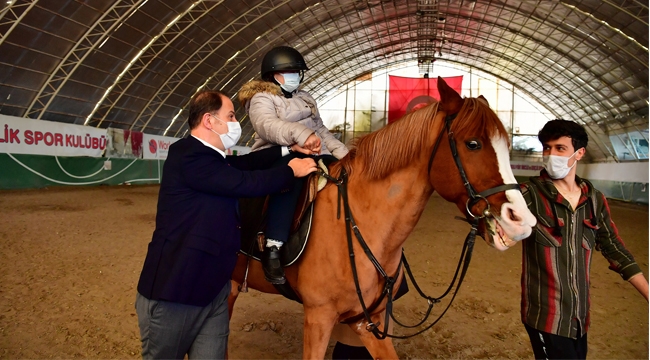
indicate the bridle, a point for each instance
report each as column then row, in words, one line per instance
column 474, row 197
column 465, row 257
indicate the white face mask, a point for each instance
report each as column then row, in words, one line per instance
column 291, row 82
column 230, row 138
column 557, row 166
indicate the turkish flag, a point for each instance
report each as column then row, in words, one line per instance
column 409, row 94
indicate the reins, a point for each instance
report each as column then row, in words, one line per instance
column 389, row 281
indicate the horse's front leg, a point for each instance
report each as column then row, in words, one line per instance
column 379, row 349
column 319, row 323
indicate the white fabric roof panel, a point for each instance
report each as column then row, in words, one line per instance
column 134, row 64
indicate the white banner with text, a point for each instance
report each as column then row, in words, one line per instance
column 40, row 137
column 156, row 147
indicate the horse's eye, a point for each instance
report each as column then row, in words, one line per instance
column 473, row 144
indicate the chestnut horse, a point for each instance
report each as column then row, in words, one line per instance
column 391, row 174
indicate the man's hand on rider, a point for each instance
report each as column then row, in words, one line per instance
column 302, row 167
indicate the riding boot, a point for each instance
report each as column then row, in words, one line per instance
column 273, row 271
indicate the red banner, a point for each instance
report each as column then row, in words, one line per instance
column 136, row 142
column 409, row 94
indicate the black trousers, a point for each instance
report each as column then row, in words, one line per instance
column 283, row 205
column 549, row 346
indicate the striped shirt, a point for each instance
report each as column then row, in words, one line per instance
column 557, row 256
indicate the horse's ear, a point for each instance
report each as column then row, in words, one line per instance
column 483, row 99
column 450, row 101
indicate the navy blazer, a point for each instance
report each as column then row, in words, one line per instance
column 194, row 246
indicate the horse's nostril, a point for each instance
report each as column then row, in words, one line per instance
column 513, row 216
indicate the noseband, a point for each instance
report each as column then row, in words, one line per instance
column 474, row 197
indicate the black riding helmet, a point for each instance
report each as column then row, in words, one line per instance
column 282, row 58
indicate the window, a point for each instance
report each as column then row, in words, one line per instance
column 361, row 106
column 630, row 146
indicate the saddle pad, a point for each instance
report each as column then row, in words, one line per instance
column 250, row 212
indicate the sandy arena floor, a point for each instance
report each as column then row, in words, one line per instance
column 71, row 258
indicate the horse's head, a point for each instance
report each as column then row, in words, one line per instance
column 487, row 190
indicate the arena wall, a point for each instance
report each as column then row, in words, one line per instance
column 40, row 153
column 622, row 181
column 20, row 171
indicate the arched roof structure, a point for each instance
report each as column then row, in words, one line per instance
column 134, row 64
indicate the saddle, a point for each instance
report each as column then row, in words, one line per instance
column 252, row 213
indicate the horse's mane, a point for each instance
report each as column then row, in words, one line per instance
column 397, row 144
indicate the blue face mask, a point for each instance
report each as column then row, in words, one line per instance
column 291, row 82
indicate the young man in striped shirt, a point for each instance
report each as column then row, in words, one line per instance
column 573, row 221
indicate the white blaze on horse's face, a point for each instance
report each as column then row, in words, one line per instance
column 516, row 221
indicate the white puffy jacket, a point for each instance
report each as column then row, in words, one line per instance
column 281, row 121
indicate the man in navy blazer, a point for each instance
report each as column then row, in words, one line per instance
column 183, row 290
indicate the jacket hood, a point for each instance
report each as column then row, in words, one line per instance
column 253, row 87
